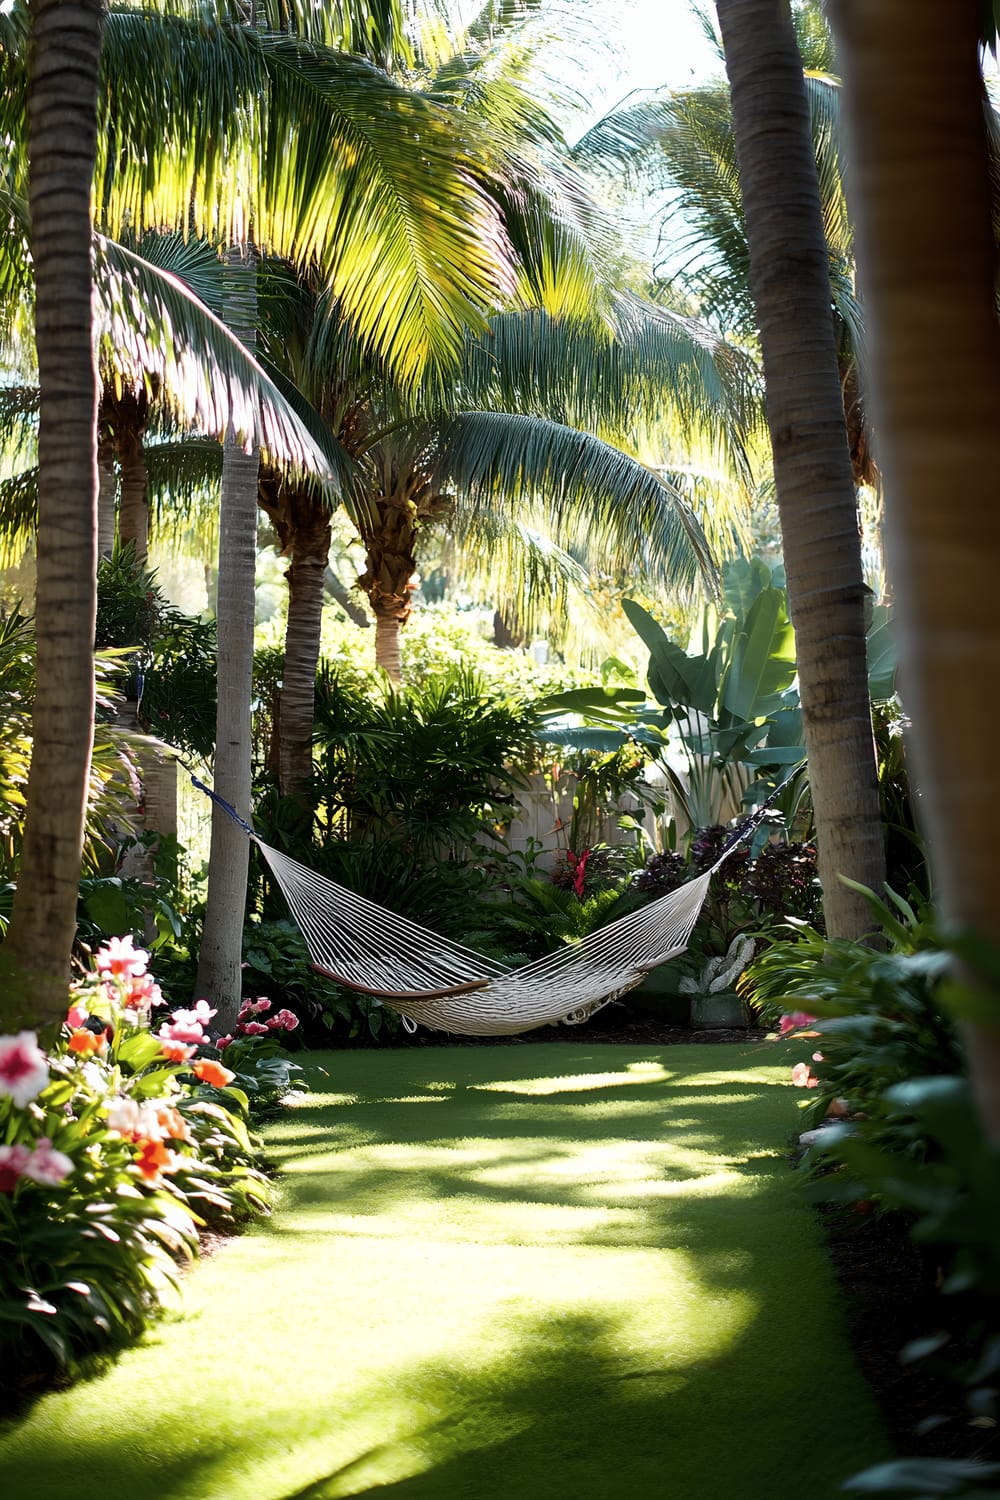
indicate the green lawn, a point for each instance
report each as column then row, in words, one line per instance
column 559, row 1271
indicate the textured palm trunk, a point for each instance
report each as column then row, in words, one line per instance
column 130, row 417
column 388, row 578
column 789, row 276
column 913, row 97
column 303, row 529
column 221, row 952
column 62, row 113
column 133, row 515
column 107, row 490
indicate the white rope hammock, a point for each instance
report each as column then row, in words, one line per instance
column 440, row 984
column 434, row 982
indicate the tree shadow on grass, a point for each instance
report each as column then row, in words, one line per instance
column 555, row 1388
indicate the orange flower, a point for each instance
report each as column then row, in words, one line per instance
column 177, row 1052
column 212, row 1072
column 86, row 1043
column 172, row 1123
column 152, row 1158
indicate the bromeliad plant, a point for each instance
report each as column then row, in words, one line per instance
column 119, row 1144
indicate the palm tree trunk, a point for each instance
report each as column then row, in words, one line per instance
column 390, row 555
column 388, row 642
column 220, row 956
column 106, row 491
column 62, row 115
column 133, row 514
column 310, row 551
column 789, row 277
column 130, row 413
column 921, row 198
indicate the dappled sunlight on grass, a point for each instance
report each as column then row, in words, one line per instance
column 587, row 1292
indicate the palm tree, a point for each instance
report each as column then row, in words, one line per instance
column 682, row 140
column 789, row 277
column 61, row 148
column 521, row 430
column 917, row 138
column 334, row 164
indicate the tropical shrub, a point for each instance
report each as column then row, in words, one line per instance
column 168, row 658
column 110, row 764
column 763, row 882
column 428, row 769
column 275, row 958
column 895, row 1134
column 119, row 1145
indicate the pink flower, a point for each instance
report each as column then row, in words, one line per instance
column 183, row 1026
column 223, row 1043
column 24, row 1068
column 795, row 1021
column 203, row 1012
column 288, row 1019
column 254, row 1028
column 76, row 1015
column 46, row 1165
column 143, row 994
column 13, row 1160
column 254, row 1007
column 121, row 960
column 803, row 1078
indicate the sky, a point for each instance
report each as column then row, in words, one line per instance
column 634, row 44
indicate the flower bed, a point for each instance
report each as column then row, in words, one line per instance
column 120, row 1144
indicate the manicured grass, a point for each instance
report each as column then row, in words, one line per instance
column 560, row 1271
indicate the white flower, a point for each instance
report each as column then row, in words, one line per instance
column 24, row 1068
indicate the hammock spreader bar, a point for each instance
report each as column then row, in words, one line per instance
column 364, row 989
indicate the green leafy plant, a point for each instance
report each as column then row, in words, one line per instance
column 119, row 1146
column 275, row 959
column 895, row 1132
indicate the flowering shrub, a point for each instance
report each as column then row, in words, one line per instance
column 119, row 1145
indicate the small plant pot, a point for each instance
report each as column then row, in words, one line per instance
column 723, row 1011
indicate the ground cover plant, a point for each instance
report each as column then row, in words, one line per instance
column 892, row 1133
column 555, row 1272
column 122, row 1141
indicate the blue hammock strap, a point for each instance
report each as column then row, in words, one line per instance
column 221, row 802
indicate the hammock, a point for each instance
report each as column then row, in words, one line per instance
column 434, row 982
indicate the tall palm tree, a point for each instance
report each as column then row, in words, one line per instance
column 331, row 161
column 682, row 140
column 789, row 277
column 917, row 138
column 532, row 407
column 65, row 42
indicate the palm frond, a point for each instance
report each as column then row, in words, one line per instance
column 15, row 261
column 376, row 29
column 152, row 325
column 183, row 476
column 18, row 514
column 590, row 490
column 539, row 587
column 324, row 154
column 646, row 365
column 18, row 425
